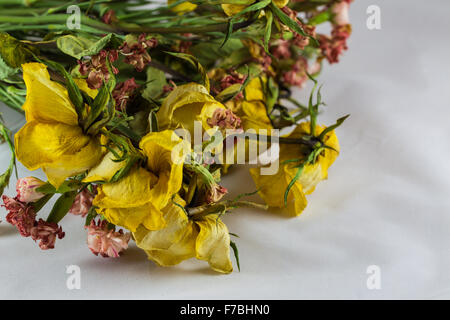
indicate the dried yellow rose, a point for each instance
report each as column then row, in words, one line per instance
column 137, row 199
column 52, row 139
column 204, row 237
column 186, row 104
column 272, row 187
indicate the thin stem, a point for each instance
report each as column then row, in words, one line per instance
column 256, row 136
column 214, row 207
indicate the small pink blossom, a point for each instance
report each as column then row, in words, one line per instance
column 314, row 68
column 340, row 11
column 123, row 92
column 23, row 217
column 46, row 233
column 332, row 47
column 83, row 202
column 26, row 189
column 20, row 215
column 297, row 75
column 224, row 119
column 109, row 17
column 299, row 40
column 96, row 68
column 281, row 49
column 106, row 242
column 169, row 87
column 216, row 193
column 136, row 53
column 230, row 79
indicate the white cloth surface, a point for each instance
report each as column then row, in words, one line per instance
column 386, row 202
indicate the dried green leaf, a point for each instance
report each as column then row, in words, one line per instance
column 78, row 47
column 62, row 207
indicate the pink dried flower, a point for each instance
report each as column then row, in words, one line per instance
column 230, row 79
column 216, row 193
column 23, row 217
column 340, row 11
column 169, row 87
column 109, row 17
column 20, row 215
column 185, row 45
column 281, row 50
column 96, row 68
column 136, row 53
column 314, row 68
column 46, row 233
column 123, row 92
column 224, row 119
column 300, row 41
column 83, row 202
column 106, row 242
column 332, row 47
column 297, row 75
column 26, row 189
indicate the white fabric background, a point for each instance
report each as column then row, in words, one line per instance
column 386, row 202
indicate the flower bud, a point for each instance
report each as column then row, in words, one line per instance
column 106, row 242
column 83, row 202
column 26, row 189
column 340, row 11
column 216, row 193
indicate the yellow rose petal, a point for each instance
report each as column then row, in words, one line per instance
column 62, row 150
column 213, row 243
column 46, row 100
column 173, row 244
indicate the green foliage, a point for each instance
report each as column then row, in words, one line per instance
column 5, row 70
column 14, row 52
column 256, row 7
column 286, row 20
column 4, row 178
column 196, row 64
column 268, row 31
column 66, row 186
column 209, row 52
column 236, row 254
column 62, row 206
column 72, row 89
column 332, row 127
column 156, row 80
column 92, row 213
column 78, row 46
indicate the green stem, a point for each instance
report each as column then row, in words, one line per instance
column 212, row 208
column 218, row 27
column 283, row 140
column 55, row 18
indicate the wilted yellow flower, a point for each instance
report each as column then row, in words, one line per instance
column 272, row 187
column 205, row 238
column 186, row 104
column 253, row 114
column 182, row 7
column 253, row 110
column 232, row 9
column 52, row 139
column 137, row 199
